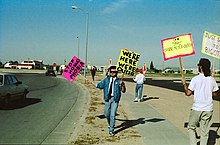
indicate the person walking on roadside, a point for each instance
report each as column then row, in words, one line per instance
column 204, row 88
column 139, row 79
column 112, row 93
column 93, row 71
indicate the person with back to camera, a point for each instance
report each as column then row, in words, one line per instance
column 113, row 87
column 204, row 88
column 139, row 79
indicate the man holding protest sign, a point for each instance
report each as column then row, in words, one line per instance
column 204, row 87
column 112, row 93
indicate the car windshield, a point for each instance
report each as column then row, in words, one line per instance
column 10, row 80
column 14, row 79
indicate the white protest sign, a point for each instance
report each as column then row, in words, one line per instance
column 211, row 44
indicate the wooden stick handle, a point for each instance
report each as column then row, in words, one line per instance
column 181, row 67
column 87, row 80
column 122, row 77
column 213, row 67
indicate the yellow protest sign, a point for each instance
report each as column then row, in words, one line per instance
column 177, row 46
column 127, row 61
column 211, row 44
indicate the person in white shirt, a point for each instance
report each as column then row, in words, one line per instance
column 139, row 79
column 204, row 88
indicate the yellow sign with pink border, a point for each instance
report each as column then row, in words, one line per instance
column 177, row 46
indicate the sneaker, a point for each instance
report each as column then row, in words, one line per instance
column 135, row 100
column 111, row 134
column 139, row 100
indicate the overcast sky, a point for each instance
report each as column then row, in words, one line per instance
column 48, row 29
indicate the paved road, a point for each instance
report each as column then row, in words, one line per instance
column 37, row 119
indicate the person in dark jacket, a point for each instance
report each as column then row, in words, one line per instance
column 93, row 71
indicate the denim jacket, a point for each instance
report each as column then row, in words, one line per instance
column 104, row 84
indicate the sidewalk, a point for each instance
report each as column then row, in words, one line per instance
column 154, row 128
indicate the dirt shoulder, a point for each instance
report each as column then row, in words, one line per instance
column 94, row 128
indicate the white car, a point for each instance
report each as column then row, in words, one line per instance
column 10, row 88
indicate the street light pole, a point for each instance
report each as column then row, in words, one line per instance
column 87, row 21
column 78, row 46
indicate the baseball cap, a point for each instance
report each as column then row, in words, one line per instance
column 113, row 68
column 139, row 70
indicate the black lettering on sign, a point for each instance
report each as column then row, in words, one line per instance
column 210, row 36
column 126, row 66
column 138, row 56
column 130, row 61
column 216, row 46
column 122, row 58
column 121, row 64
column 168, row 49
column 72, row 76
column 77, row 61
column 70, row 64
column 82, row 63
column 130, row 68
column 127, row 70
column 126, row 53
column 119, row 68
column 78, row 67
column 134, row 56
column 212, row 51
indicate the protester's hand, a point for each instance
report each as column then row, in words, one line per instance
column 122, row 83
column 123, row 86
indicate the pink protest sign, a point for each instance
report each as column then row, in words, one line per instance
column 73, row 68
column 177, row 46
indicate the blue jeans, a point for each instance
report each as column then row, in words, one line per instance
column 110, row 112
column 139, row 87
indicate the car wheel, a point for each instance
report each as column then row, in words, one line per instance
column 25, row 94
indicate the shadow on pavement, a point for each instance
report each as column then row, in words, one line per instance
column 130, row 123
column 213, row 135
column 146, row 98
column 19, row 104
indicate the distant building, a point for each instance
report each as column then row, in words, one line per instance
column 171, row 70
column 26, row 64
column 10, row 65
column 191, row 71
